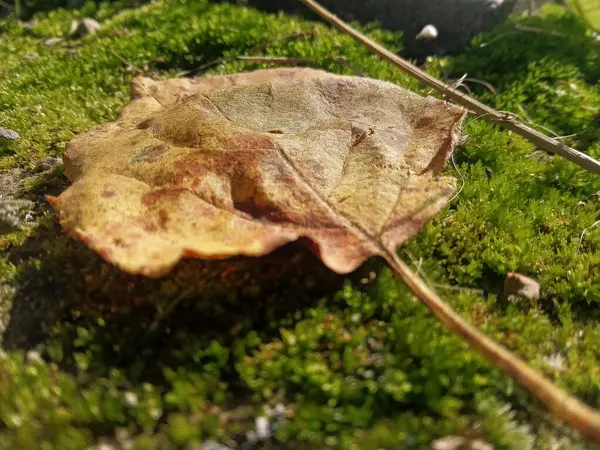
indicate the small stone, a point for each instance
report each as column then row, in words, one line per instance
column 448, row 443
column 15, row 420
column 460, row 443
column 478, row 444
column 33, row 357
column 213, row 445
column 122, row 434
column 263, row 428
column 105, row 446
column 52, row 41
column 48, row 163
column 555, row 362
column 8, row 134
column 518, row 285
column 91, row 26
column 74, row 26
column 131, row 399
column 155, row 413
column 251, row 437
column 29, row 27
column 30, row 56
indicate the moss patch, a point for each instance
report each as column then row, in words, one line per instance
column 92, row 355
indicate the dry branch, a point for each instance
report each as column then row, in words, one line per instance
column 450, row 92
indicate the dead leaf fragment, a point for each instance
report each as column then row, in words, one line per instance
column 242, row 164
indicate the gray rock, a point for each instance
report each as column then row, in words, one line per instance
column 457, row 21
column 520, row 286
column 12, row 214
column 8, row 134
column 48, row 163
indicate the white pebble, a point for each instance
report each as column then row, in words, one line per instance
column 263, row 430
column 155, row 413
column 33, row 357
column 428, row 33
column 131, row 399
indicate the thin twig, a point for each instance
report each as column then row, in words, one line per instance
column 126, row 62
column 566, row 136
column 530, row 29
column 449, row 287
column 342, row 61
column 481, row 82
column 536, row 30
column 461, row 177
column 588, row 229
column 214, row 62
column 476, row 107
column 496, row 38
column 561, row 404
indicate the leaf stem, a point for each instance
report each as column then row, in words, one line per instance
column 450, row 92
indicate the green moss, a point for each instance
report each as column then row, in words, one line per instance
column 355, row 361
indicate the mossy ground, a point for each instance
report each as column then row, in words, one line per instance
column 357, row 363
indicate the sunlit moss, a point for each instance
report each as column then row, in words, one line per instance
column 355, row 361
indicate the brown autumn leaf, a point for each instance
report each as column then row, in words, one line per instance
column 242, row 164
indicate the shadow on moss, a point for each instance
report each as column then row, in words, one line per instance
column 65, row 288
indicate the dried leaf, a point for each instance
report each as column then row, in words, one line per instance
column 193, row 170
